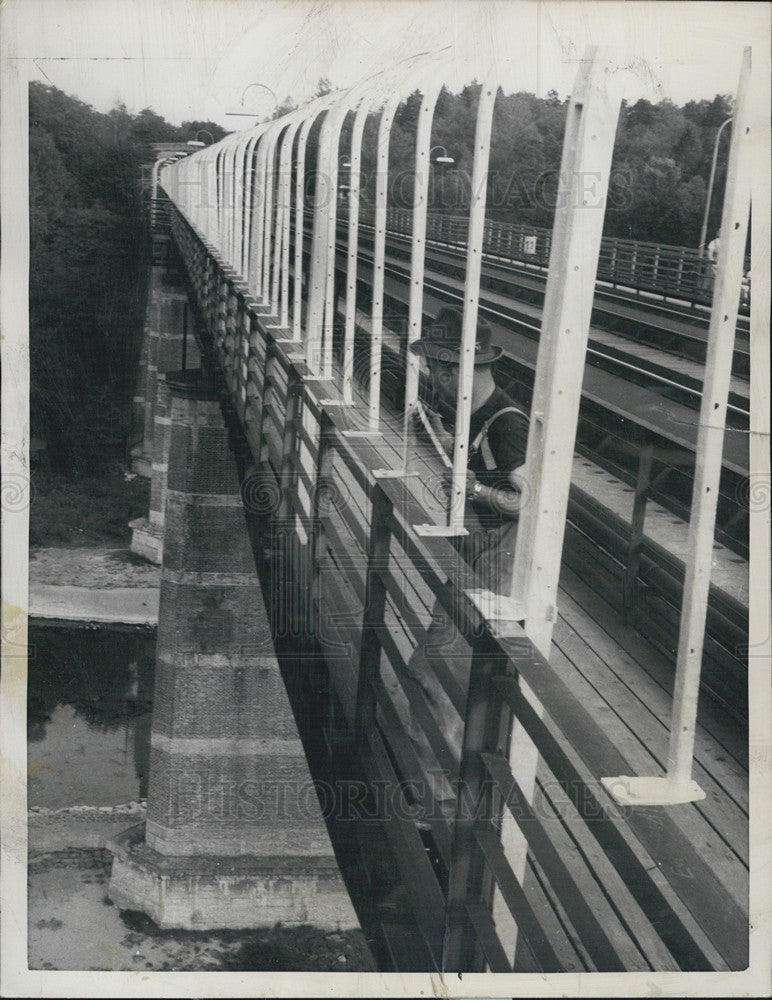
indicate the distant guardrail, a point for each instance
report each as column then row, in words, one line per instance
column 669, row 271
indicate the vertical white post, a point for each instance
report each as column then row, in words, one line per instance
column 678, row 786
column 482, row 144
column 225, row 198
column 249, row 183
column 286, row 218
column 351, row 259
column 587, row 148
column 281, row 197
column 376, row 316
column 315, row 286
column 272, row 136
column 418, row 254
column 221, row 199
column 339, row 115
column 254, row 277
column 239, row 213
column 210, row 194
column 319, row 248
column 300, row 183
column 230, row 256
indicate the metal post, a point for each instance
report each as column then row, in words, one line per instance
column 587, row 148
column 231, row 201
column 297, row 272
column 418, row 254
column 482, row 142
column 318, row 251
column 265, row 273
column 278, row 230
column 678, row 786
column 287, row 224
column 351, row 261
column 332, row 234
column 376, row 315
column 249, row 182
column 709, row 195
column 286, row 168
column 254, row 276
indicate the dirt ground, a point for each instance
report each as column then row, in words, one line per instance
column 74, row 925
column 86, row 566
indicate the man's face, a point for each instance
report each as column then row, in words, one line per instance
column 444, row 376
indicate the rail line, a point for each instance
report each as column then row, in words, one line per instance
column 601, row 418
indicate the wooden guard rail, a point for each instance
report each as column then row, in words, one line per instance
column 646, row 899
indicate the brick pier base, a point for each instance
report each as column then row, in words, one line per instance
column 234, row 835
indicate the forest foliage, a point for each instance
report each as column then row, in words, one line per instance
column 90, row 237
column 659, row 174
column 89, row 252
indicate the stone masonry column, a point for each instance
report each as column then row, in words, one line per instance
column 168, row 345
column 234, row 834
column 147, row 533
column 162, row 349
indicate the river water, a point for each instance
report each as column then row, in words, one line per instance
column 89, row 699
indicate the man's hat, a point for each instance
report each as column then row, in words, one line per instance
column 443, row 340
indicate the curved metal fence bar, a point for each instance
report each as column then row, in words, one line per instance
column 331, row 169
column 287, row 224
column 249, row 180
column 482, row 146
column 376, row 312
column 418, row 246
column 240, row 214
column 282, row 186
column 357, row 131
column 272, row 138
column 325, row 176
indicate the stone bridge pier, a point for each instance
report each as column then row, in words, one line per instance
column 235, row 836
column 168, row 345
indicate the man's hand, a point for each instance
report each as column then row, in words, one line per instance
column 444, row 436
column 471, row 482
column 505, row 499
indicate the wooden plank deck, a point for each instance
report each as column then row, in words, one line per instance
column 619, row 677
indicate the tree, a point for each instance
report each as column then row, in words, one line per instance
column 88, row 257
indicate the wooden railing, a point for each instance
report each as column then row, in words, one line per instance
column 637, row 894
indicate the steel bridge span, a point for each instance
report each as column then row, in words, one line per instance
column 592, row 816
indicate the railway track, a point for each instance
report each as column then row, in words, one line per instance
column 633, row 393
column 645, row 345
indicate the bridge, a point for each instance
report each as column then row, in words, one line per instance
column 589, row 808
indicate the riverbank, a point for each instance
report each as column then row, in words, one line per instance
column 93, row 584
column 74, row 925
column 93, row 693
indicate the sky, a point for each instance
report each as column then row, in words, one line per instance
column 194, row 59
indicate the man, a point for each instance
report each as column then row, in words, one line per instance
column 498, row 435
